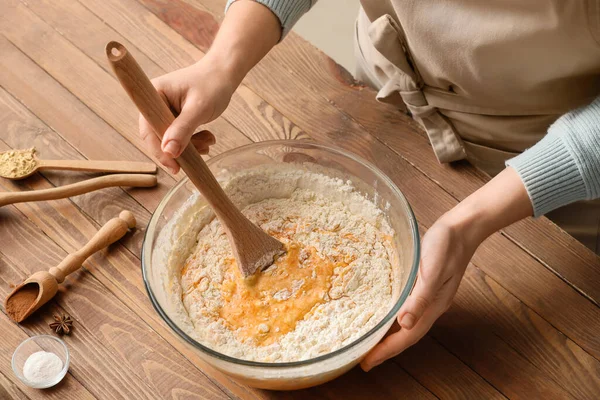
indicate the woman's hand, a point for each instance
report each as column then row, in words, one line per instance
column 445, row 255
column 446, row 250
column 196, row 94
column 200, row 93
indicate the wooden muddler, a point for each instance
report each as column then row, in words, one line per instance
column 74, row 189
column 252, row 247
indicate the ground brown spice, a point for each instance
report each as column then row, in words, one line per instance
column 19, row 303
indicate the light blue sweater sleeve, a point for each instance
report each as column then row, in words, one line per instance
column 564, row 166
column 288, row 11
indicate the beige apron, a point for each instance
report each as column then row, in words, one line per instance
column 485, row 79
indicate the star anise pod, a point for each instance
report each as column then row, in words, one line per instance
column 62, row 324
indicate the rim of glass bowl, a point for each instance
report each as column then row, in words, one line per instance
column 292, row 143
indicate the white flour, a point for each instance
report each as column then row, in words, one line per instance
column 42, row 367
column 338, row 287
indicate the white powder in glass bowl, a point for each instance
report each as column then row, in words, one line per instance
column 42, row 367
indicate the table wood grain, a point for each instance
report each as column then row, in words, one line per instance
column 525, row 323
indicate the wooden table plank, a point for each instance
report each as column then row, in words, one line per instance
column 9, row 390
column 443, row 374
column 559, row 252
column 86, row 32
column 500, row 364
column 390, row 382
column 23, row 130
column 529, row 334
column 78, row 74
column 546, row 294
column 474, row 340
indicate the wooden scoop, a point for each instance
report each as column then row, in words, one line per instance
column 252, row 247
column 36, row 164
column 78, row 188
column 40, row 287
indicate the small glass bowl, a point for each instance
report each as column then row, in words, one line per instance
column 40, row 343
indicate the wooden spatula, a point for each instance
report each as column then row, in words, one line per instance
column 252, row 247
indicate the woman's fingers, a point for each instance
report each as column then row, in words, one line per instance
column 179, row 134
column 397, row 342
column 429, row 282
column 203, row 140
column 422, row 296
column 153, row 143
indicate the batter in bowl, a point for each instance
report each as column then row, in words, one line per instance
column 333, row 284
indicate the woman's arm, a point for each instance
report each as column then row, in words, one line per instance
column 446, row 251
column 248, row 32
column 201, row 92
column 562, row 168
column 288, row 11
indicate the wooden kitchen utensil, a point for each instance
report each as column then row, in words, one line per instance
column 78, row 188
column 252, row 247
column 131, row 167
column 40, row 287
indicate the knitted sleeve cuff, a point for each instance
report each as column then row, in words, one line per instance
column 288, row 11
column 564, row 166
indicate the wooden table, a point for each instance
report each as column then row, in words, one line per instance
column 525, row 322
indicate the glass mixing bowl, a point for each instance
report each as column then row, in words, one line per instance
column 370, row 181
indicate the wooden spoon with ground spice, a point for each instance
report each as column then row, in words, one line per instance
column 20, row 164
column 40, row 287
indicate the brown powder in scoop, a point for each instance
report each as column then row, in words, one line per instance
column 17, row 163
column 19, row 303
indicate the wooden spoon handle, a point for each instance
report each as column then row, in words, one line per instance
column 131, row 167
column 112, row 231
column 159, row 116
column 78, row 188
